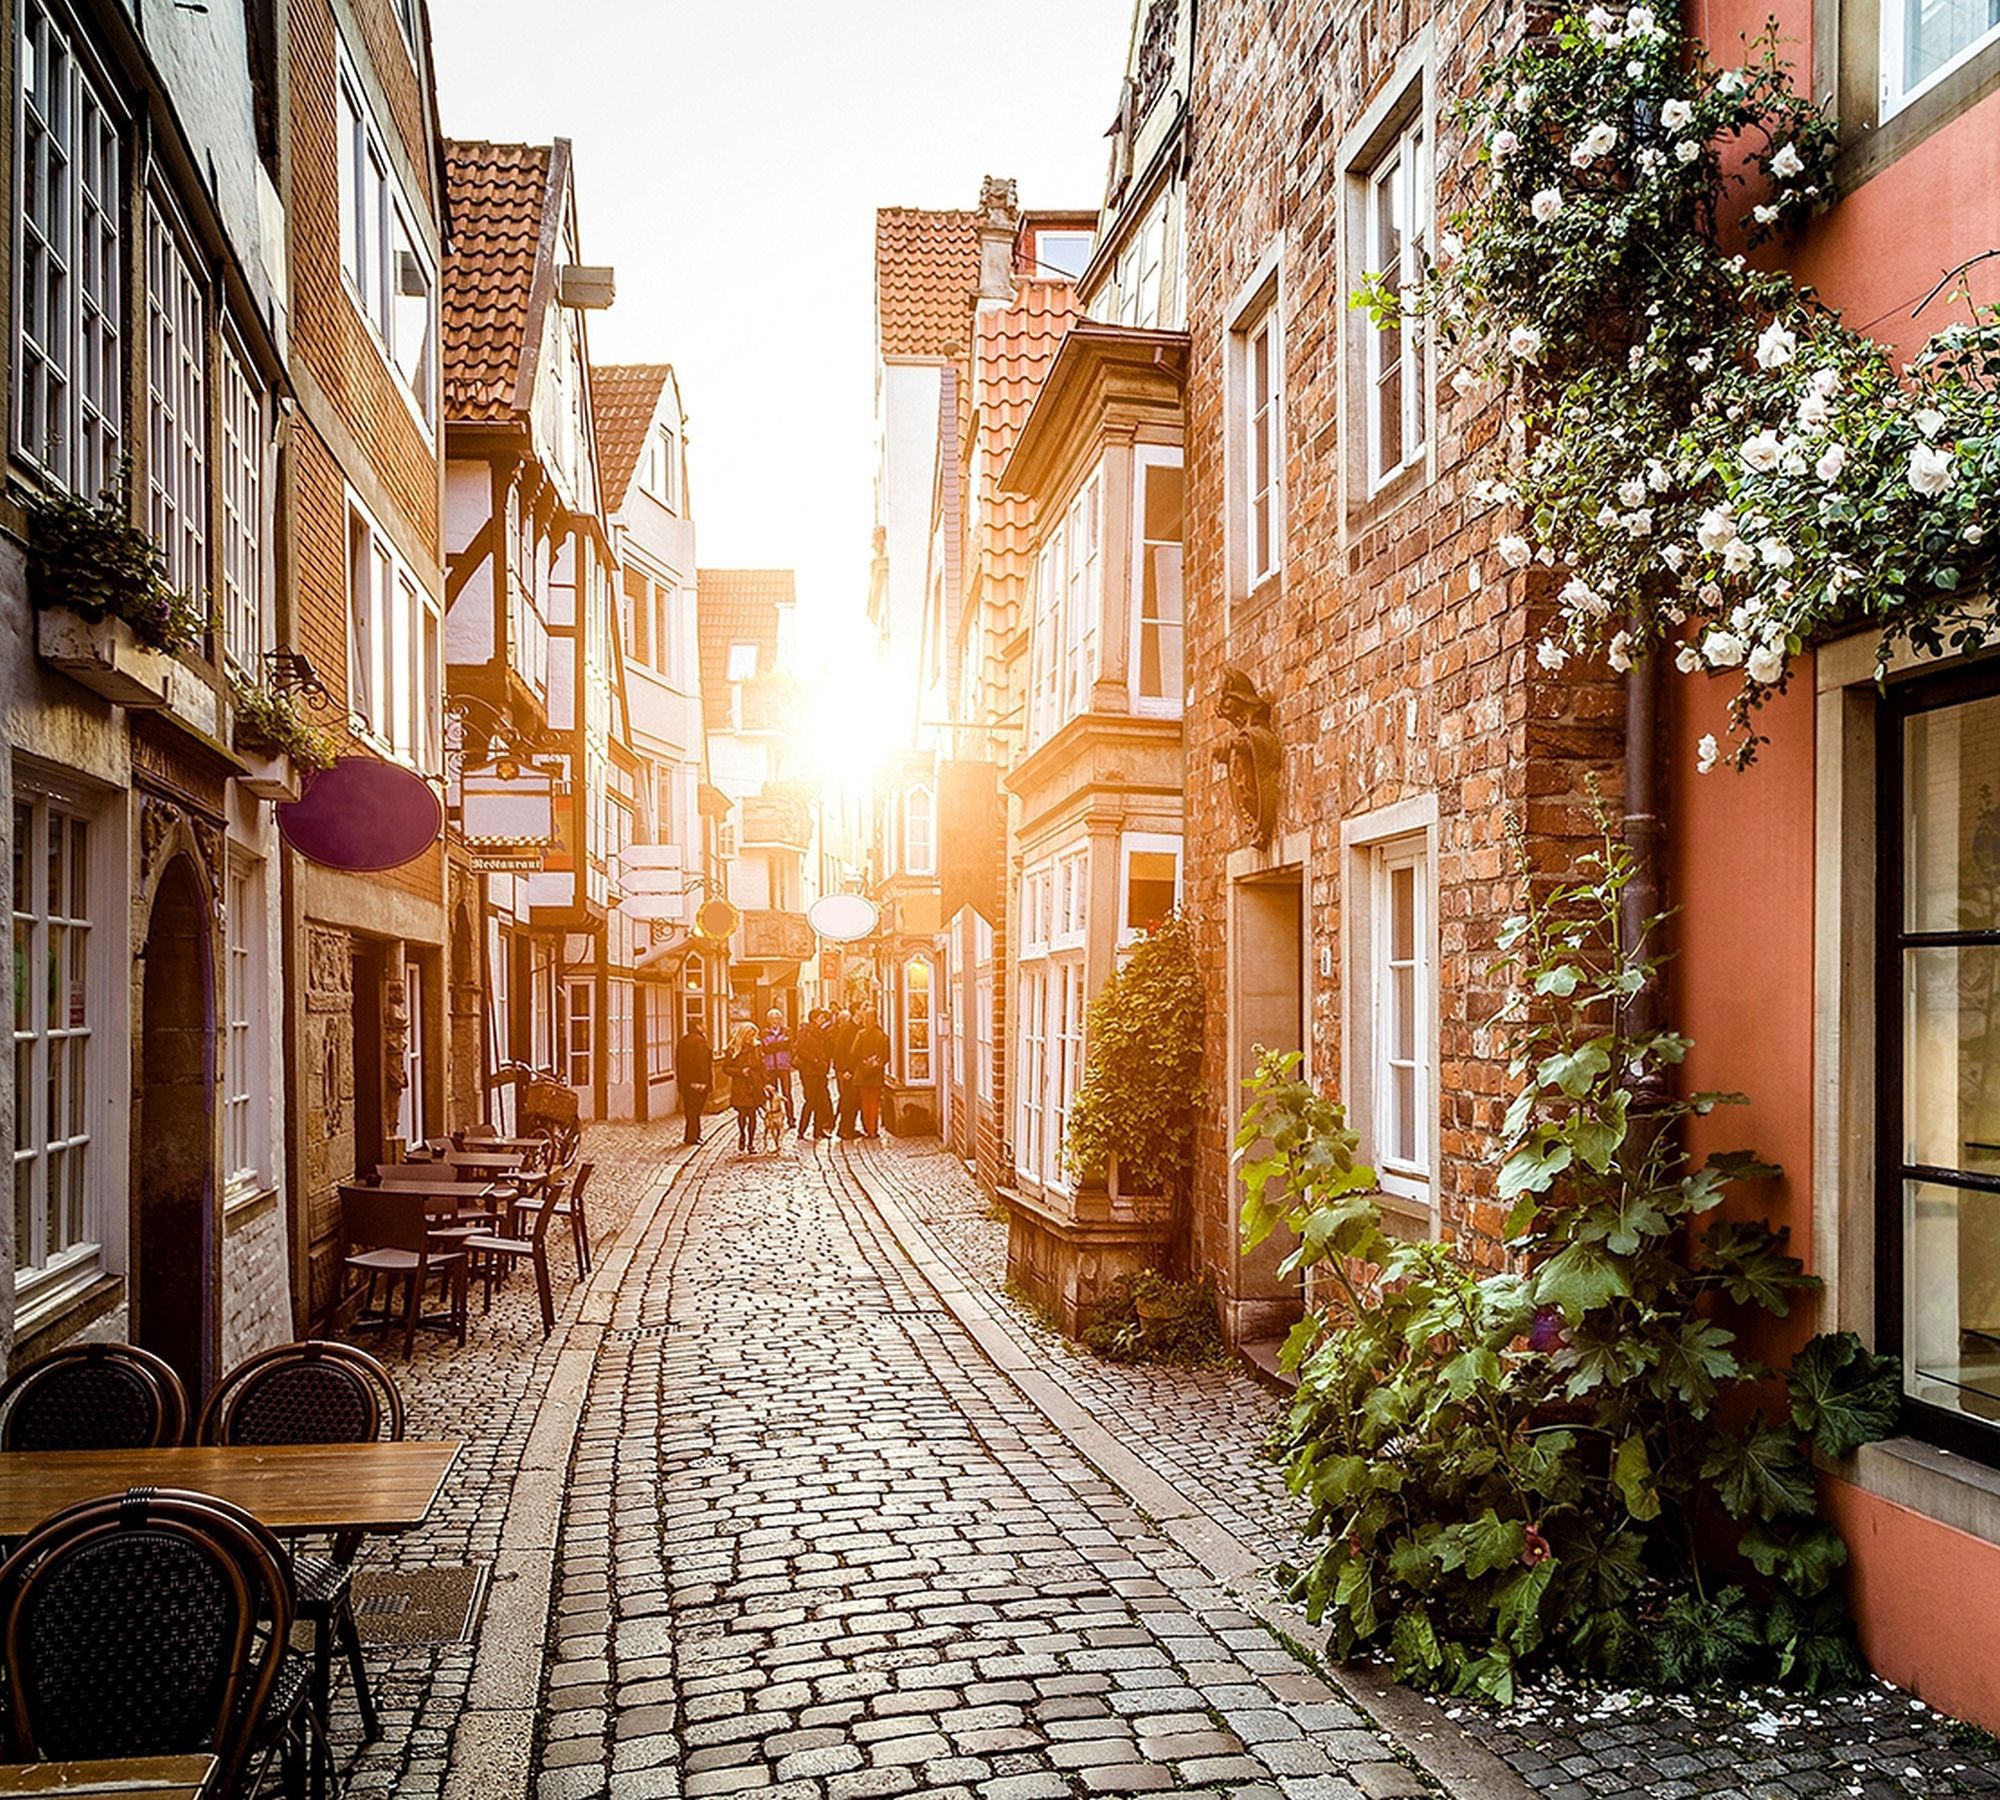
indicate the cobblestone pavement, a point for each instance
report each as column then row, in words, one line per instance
column 816, row 1544
column 1205, row 1429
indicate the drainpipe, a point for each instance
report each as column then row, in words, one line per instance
column 1644, row 897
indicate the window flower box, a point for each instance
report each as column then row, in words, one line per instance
column 105, row 655
column 269, row 774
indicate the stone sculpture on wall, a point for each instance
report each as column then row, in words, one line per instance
column 1253, row 757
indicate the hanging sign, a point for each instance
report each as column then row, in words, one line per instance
column 842, row 918
column 363, row 815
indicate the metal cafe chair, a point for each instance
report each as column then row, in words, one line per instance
column 489, row 1253
column 566, row 1206
column 152, row 1623
column 93, row 1397
column 314, row 1393
column 391, row 1238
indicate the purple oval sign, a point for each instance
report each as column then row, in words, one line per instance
column 362, row 815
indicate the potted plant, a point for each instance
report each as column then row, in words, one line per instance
column 276, row 742
column 106, row 615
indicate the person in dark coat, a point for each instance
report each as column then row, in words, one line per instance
column 846, row 1028
column 871, row 1067
column 694, row 1070
column 812, row 1051
column 747, row 1084
column 778, row 1061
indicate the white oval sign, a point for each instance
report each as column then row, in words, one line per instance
column 841, row 918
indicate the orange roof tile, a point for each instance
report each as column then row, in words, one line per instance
column 736, row 606
column 1016, row 345
column 624, row 397
column 499, row 201
column 926, row 273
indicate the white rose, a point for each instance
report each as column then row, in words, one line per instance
column 1702, row 361
column 1652, row 161
column 1657, row 477
column 1601, row 139
column 1832, row 462
column 1974, row 534
column 1776, row 555
column 1550, row 655
column 1929, row 421
column 1638, row 523
column 1619, row 651
column 1826, row 382
column 1788, row 163
column 1764, row 215
column 1687, row 150
column 1761, row 453
column 1503, row 145
column 1731, row 81
column 1814, row 411
column 1705, row 753
column 1632, row 491
column 1737, row 556
column 1607, row 516
column 1673, row 555
column 1776, row 347
column 1766, row 664
column 1635, row 68
column 1687, row 659
column 1677, row 115
column 1526, row 95
column 1642, row 20
column 1450, row 248
column 1930, row 469
column 1579, row 596
column 1546, row 206
column 1723, row 649
column 1463, row 381
column 1515, row 551
column 1708, row 594
column 1716, row 531
column 1525, row 342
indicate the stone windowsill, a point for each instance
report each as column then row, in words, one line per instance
column 1953, row 1490
column 243, row 1206
column 45, row 1325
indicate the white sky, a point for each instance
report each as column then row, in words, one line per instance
column 730, row 155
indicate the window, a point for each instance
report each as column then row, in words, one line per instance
column 618, row 1053
column 917, row 1019
column 1159, row 679
column 1925, row 40
column 1152, row 883
column 69, row 368
column 659, row 473
column 394, row 649
column 406, row 22
column 1068, row 593
column 177, row 387
column 413, row 1112
column 1257, row 512
column 1062, row 255
column 1396, row 1026
column 1055, row 911
column 244, row 1094
column 580, row 1042
column 1398, row 226
column 742, row 662
column 388, row 273
column 694, row 994
column 919, row 832
column 57, row 998
column 982, row 1006
column 243, row 437
column 1140, row 270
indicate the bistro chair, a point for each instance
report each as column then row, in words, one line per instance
column 568, row 1207
column 152, row 1623
column 314, row 1393
column 93, row 1397
column 491, row 1254
column 391, row 1234
column 466, row 1217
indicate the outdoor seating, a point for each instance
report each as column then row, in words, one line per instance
column 565, row 1206
column 314, row 1393
column 492, row 1253
column 151, row 1623
column 93, row 1397
column 477, row 1204
column 395, row 1243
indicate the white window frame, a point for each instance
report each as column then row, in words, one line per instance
column 1083, row 595
column 580, row 1009
column 919, row 1063
column 1894, row 45
column 72, row 376
column 1145, row 458
column 1145, row 843
column 413, row 1109
column 1255, row 519
column 618, row 1062
column 177, row 385
column 920, row 831
column 660, row 468
column 1401, row 179
column 1048, row 271
column 245, row 1067
column 45, row 1276
column 395, row 640
column 243, row 525
column 982, row 1006
column 374, row 211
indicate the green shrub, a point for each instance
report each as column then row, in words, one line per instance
column 1575, row 1463
column 1148, row 1318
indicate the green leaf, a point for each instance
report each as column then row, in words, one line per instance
column 1574, row 1071
column 1843, row 1395
column 1518, row 1606
column 1693, row 1361
column 1560, row 981
column 1804, row 1557
column 1761, row 1475
column 1533, row 1167
column 1749, row 1259
column 1580, row 1277
column 1468, row 1372
column 1413, row 1644
column 1632, row 1474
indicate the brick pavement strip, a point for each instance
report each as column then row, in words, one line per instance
column 816, row 1543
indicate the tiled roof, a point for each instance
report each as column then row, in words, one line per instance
column 926, row 273
column 736, row 606
column 1016, row 346
column 499, row 196
column 623, row 399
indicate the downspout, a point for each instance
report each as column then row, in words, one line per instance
column 1644, row 897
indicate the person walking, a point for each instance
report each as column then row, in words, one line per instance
column 747, row 1083
column 694, row 1071
column 812, row 1051
column 871, row 1063
column 778, row 1061
column 846, row 1028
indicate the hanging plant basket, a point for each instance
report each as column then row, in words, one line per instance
column 269, row 774
column 105, row 655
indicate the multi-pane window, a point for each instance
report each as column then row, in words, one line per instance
column 1924, row 40
column 1259, row 489
column 580, row 1044
column 1152, row 886
column 243, row 1002
column 917, row 1019
column 1159, row 677
column 68, row 361
column 412, row 1112
column 618, row 1048
column 380, row 250
column 919, row 832
column 394, row 646
column 982, row 1006
column 1032, row 1071
column 243, row 488
column 1398, row 227
column 660, row 469
column 57, row 996
column 694, row 994
column 1938, row 1244
column 1401, row 997
column 1141, row 270
column 177, row 387
column 1050, row 998
column 1068, row 591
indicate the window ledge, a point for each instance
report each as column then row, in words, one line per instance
column 1906, row 1471
column 49, row 1321
column 241, row 1206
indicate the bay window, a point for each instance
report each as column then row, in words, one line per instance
column 1050, row 999
column 68, row 352
column 1159, row 678
column 1068, row 594
column 177, row 389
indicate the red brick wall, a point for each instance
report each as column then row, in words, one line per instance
column 1398, row 653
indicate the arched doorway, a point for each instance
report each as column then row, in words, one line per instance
column 173, row 1264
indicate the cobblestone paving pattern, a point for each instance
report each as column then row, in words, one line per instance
column 817, row 1545
column 1205, row 1428
column 484, row 1395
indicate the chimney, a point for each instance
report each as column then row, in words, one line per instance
column 999, row 224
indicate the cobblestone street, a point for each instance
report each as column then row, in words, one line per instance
column 796, row 1502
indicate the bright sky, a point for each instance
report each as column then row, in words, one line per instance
column 730, row 155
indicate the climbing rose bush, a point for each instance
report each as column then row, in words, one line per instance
column 1713, row 465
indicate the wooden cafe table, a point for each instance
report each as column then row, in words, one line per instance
column 135, row 1777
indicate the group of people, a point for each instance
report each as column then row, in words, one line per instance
column 840, row 1059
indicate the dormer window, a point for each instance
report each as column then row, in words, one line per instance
column 742, row 662
column 659, row 471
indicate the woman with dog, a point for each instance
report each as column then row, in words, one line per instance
column 744, row 1065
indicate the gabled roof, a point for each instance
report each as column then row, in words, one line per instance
column 625, row 398
column 926, row 273
column 736, row 606
column 504, row 202
column 1016, row 347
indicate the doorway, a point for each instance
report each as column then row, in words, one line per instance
column 1267, row 1001
column 175, row 1280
